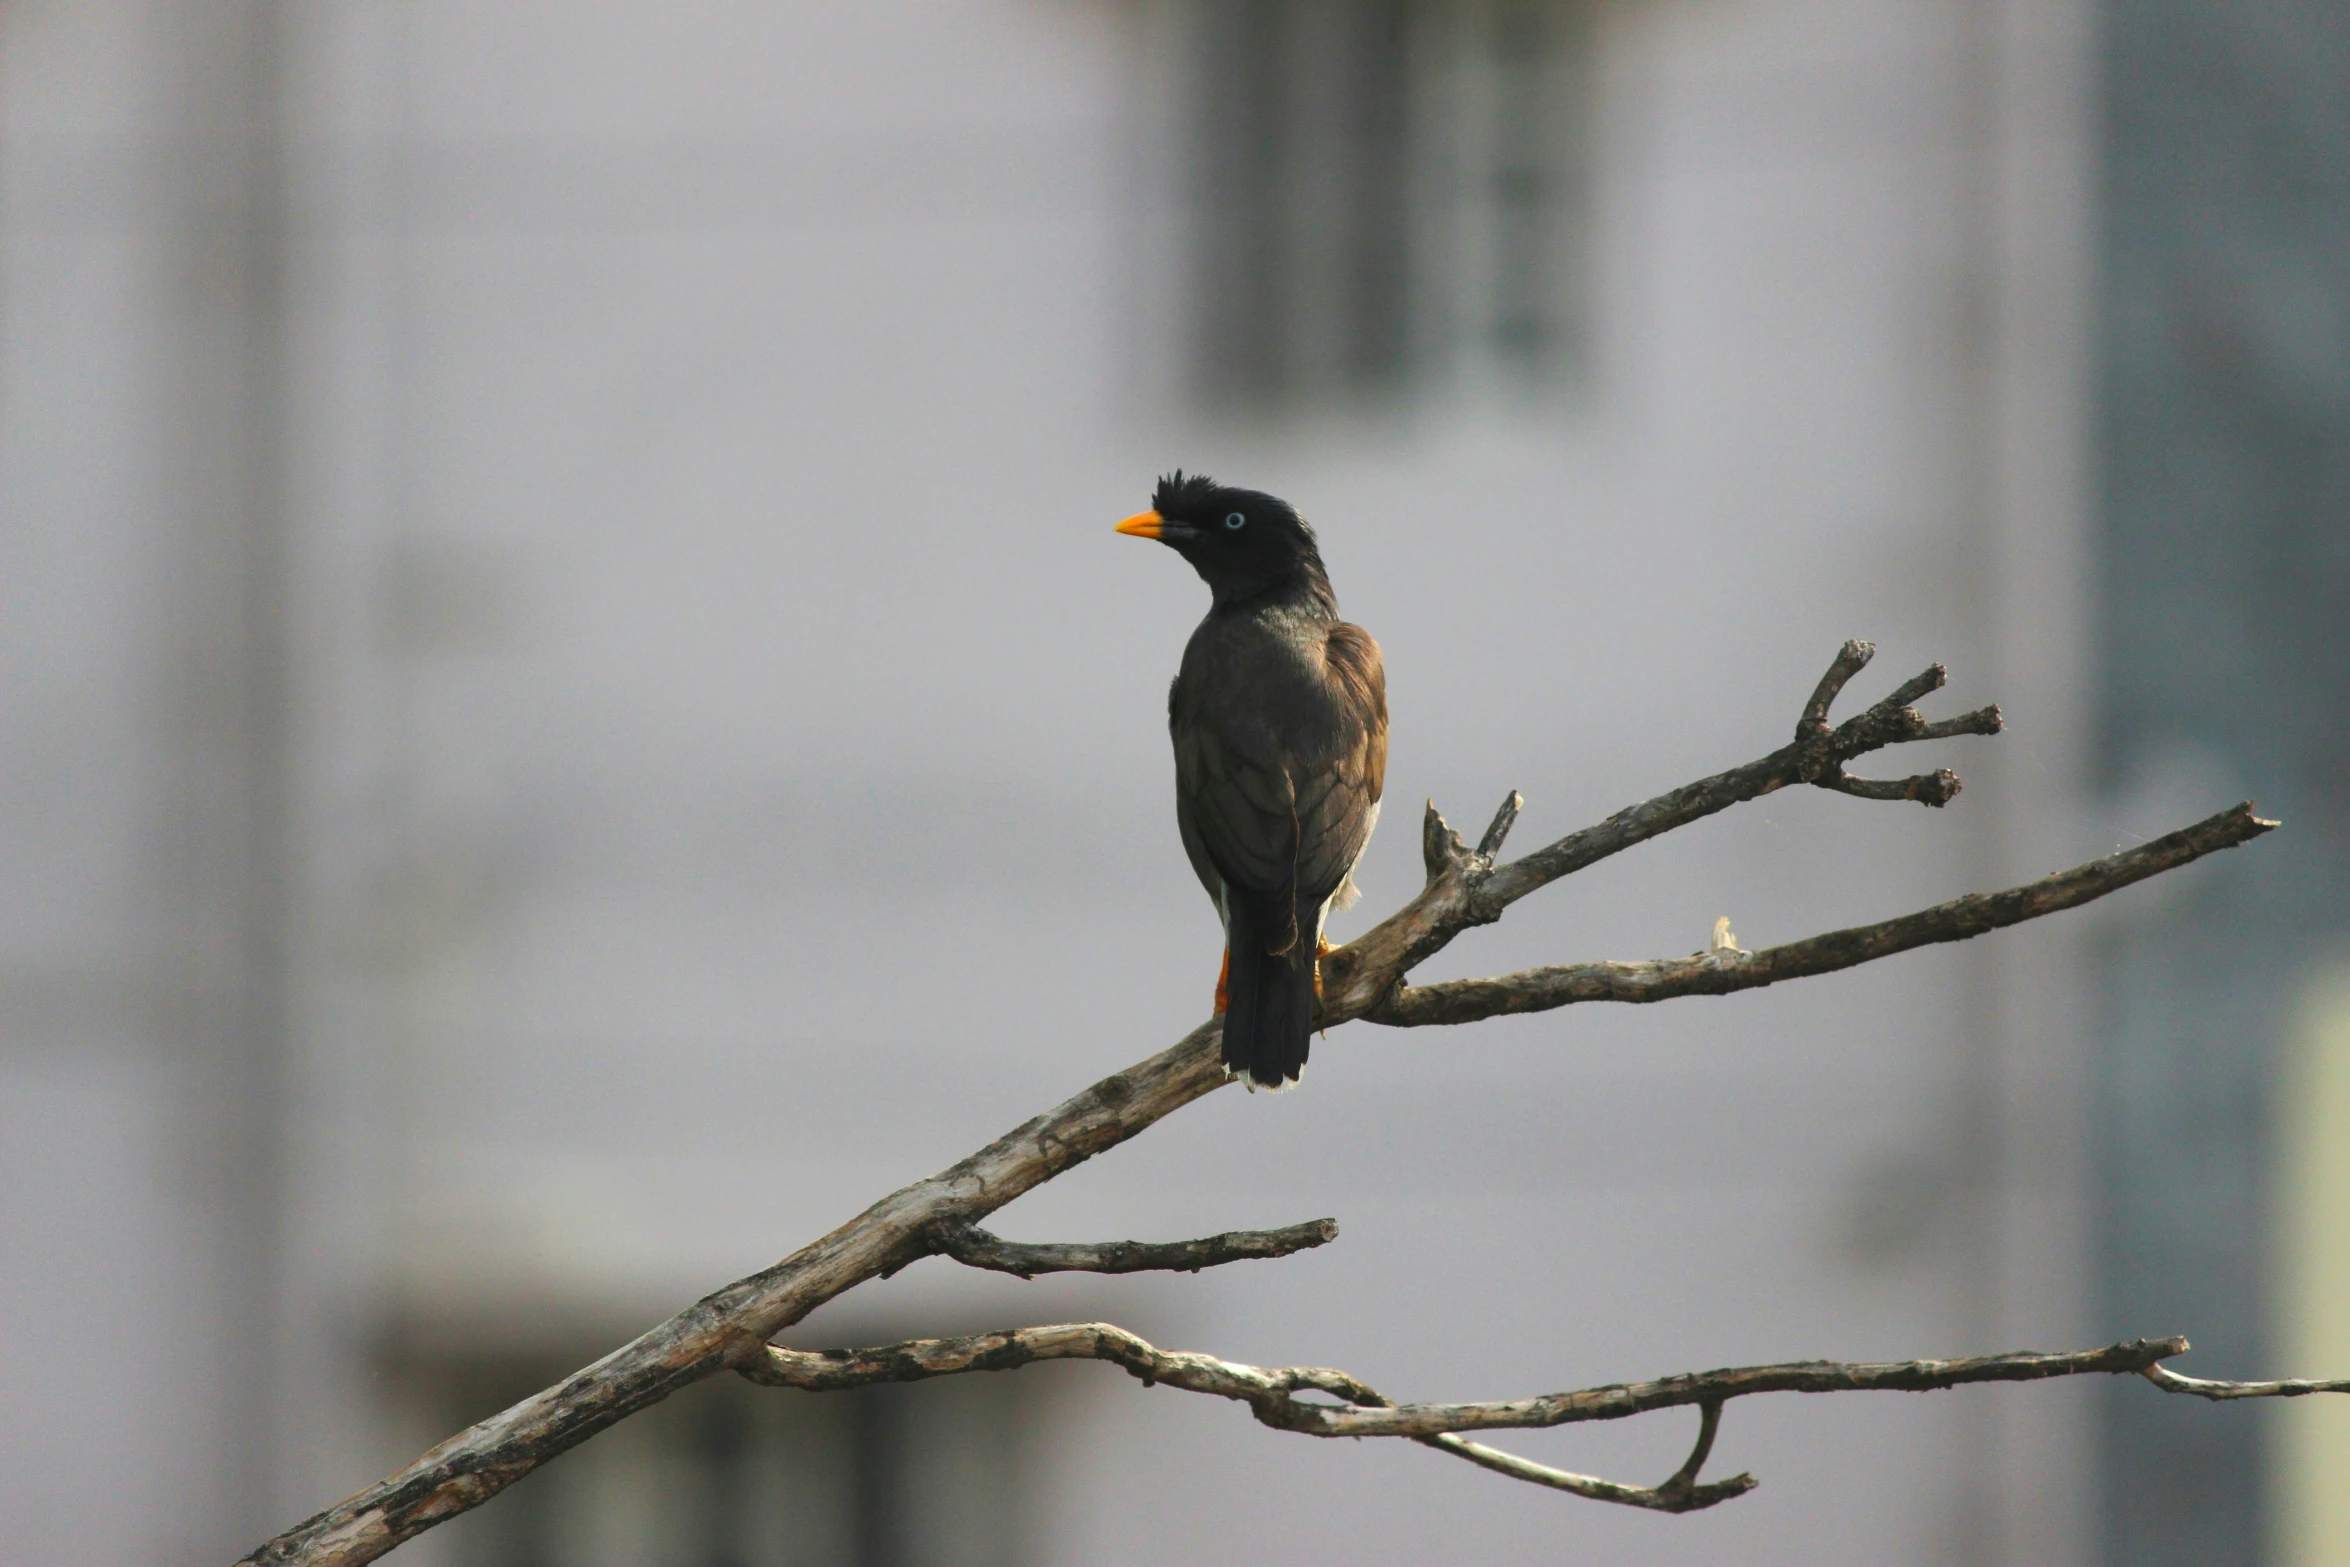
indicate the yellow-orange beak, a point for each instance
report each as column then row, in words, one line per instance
column 1144, row 525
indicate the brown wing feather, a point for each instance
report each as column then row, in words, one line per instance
column 1237, row 808
column 1337, row 796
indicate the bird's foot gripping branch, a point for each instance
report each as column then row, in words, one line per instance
column 730, row 1329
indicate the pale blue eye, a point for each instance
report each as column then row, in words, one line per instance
column 1235, row 522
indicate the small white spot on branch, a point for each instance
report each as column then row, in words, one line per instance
column 1724, row 948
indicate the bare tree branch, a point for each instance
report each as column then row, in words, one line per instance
column 976, row 1248
column 730, row 1328
column 735, row 1322
column 1467, row 888
column 1271, row 1393
column 1816, row 755
column 1719, row 973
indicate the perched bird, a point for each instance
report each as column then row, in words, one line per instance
column 1279, row 717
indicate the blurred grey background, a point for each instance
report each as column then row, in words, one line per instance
column 572, row 716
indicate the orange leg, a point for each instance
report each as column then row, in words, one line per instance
column 1322, row 949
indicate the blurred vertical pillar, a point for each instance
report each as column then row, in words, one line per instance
column 143, row 706
column 227, row 357
column 2225, row 456
column 2024, row 352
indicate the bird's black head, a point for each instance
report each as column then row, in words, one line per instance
column 1245, row 544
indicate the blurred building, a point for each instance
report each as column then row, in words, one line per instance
column 573, row 717
column 2224, row 547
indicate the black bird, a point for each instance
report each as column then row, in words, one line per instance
column 1279, row 717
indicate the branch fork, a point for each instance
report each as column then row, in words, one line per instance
column 1468, row 887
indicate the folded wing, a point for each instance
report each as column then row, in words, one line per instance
column 1282, row 812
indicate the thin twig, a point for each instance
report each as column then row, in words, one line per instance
column 2292, row 1387
column 1654, row 1498
column 1813, row 753
column 1709, row 1426
column 976, row 1248
column 1680, row 1494
column 1850, row 660
column 1498, row 830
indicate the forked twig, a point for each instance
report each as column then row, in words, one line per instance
column 1271, row 1392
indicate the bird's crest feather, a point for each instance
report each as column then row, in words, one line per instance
column 1178, row 493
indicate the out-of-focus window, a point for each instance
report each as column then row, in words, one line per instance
column 727, row 1475
column 1386, row 195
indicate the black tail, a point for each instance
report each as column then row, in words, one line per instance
column 1269, row 1017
